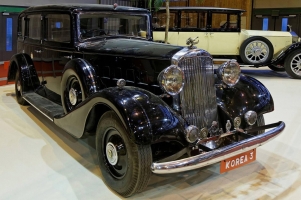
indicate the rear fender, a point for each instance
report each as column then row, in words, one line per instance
column 24, row 64
column 247, row 94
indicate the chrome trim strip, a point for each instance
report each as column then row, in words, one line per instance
column 3, row 79
column 37, row 109
column 217, row 155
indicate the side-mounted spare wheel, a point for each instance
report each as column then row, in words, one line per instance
column 72, row 92
column 256, row 50
column 125, row 166
column 19, row 89
column 292, row 64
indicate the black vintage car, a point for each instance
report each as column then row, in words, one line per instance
column 93, row 69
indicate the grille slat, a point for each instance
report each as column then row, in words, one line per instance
column 198, row 98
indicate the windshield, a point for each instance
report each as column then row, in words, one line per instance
column 104, row 24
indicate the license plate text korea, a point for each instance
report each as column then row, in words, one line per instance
column 238, row 161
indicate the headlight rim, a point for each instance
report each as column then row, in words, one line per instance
column 221, row 75
column 161, row 78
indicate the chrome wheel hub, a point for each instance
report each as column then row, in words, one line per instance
column 73, row 96
column 111, row 153
column 296, row 64
column 256, row 51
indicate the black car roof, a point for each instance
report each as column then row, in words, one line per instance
column 82, row 7
column 214, row 9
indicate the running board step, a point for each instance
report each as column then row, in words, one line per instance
column 46, row 107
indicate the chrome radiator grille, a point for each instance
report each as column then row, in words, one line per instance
column 198, row 98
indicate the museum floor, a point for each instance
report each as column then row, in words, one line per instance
column 41, row 161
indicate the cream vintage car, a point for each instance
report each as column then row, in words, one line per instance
column 220, row 32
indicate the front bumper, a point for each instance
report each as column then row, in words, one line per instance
column 219, row 154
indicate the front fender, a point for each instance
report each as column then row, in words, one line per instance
column 247, row 94
column 23, row 63
column 146, row 115
column 279, row 58
column 147, row 118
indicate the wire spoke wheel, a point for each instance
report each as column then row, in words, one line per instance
column 256, row 50
column 292, row 64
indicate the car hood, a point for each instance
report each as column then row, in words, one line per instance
column 267, row 33
column 130, row 48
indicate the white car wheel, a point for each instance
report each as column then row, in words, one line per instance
column 292, row 64
column 256, row 50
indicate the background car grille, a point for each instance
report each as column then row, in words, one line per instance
column 198, row 98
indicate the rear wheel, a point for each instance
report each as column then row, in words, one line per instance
column 256, row 50
column 125, row 166
column 19, row 89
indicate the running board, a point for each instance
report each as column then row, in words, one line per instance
column 46, row 107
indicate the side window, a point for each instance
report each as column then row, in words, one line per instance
column 21, row 27
column 34, row 26
column 194, row 20
column 222, row 21
column 58, row 28
column 159, row 20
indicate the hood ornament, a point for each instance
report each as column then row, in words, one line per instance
column 190, row 42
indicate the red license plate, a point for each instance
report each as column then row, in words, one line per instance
column 238, row 161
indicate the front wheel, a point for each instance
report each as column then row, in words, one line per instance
column 292, row 64
column 256, row 50
column 125, row 166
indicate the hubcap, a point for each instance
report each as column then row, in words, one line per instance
column 111, row 153
column 73, row 96
column 296, row 64
column 257, row 51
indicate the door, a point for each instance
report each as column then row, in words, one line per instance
column 8, row 35
column 32, row 41
column 56, row 52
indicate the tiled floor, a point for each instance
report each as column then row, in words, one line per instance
column 40, row 161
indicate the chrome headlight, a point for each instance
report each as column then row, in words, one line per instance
column 171, row 80
column 229, row 72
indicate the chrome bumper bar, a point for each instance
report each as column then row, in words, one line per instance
column 219, row 154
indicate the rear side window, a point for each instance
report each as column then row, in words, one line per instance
column 34, row 26
column 58, row 28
